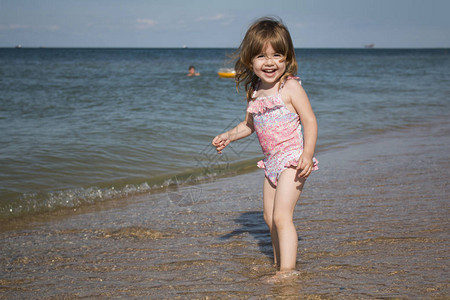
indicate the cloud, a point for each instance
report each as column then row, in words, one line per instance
column 24, row 26
column 51, row 27
column 145, row 23
column 223, row 19
column 13, row 27
column 217, row 17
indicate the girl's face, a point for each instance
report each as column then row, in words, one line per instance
column 269, row 65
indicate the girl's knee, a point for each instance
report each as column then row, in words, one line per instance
column 282, row 220
column 268, row 219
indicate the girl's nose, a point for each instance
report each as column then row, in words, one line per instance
column 268, row 61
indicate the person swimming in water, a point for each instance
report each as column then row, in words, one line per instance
column 192, row 71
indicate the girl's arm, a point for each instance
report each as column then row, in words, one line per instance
column 300, row 102
column 242, row 130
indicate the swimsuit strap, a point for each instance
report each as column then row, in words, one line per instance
column 282, row 86
column 284, row 82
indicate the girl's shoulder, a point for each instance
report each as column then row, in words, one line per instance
column 292, row 82
column 292, row 85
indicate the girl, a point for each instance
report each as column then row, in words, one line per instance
column 276, row 102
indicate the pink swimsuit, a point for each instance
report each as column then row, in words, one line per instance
column 279, row 133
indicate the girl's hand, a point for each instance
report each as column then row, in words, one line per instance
column 305, row 164
column 221, row 141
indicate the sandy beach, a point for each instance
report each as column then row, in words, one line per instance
column 372, row 223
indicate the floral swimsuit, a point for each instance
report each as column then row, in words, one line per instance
column 279, row 133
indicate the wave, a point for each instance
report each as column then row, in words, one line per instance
column 36, row 203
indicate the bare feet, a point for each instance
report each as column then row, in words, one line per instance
column 282, row 276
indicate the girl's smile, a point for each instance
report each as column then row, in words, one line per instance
column 269, row 66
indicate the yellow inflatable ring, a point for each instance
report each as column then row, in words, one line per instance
column 226, row 73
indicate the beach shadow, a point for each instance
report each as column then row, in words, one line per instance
column 252, row 222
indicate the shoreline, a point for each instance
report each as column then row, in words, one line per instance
column 208, row 171
column 372, row 222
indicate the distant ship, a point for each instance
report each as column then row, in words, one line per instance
column 18, row 46
column 369, row 46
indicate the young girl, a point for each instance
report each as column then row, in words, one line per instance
column 276, row 102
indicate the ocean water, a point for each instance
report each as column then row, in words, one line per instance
column 81, row 126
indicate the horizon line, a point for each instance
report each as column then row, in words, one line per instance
column 187, row 48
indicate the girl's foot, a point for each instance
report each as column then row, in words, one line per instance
column 281, row 276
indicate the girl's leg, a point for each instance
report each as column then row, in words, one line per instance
column 268, row 203
column 287, row 193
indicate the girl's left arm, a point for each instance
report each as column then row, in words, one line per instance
column 300, row 102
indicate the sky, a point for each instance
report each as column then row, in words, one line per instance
column 212, row 23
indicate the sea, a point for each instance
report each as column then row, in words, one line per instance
column 80, row 126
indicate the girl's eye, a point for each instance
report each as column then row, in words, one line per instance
column 276, row 56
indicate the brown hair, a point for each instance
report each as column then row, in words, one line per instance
column 262, row 31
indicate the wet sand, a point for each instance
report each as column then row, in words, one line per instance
column 372, row 223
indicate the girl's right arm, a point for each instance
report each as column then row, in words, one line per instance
column 242, row 130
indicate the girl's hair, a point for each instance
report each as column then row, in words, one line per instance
column 264, row 30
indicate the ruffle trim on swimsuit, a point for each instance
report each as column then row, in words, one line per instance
column 294, row 163
column 260, row 164
column 263, row 104
column 291, row 163
column 260, row 105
